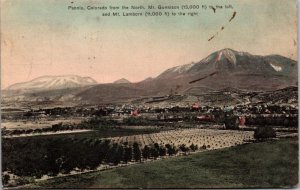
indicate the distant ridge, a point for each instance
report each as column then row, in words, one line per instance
column 53, row 82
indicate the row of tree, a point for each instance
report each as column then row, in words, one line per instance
column 47, row 156
column 34, row 157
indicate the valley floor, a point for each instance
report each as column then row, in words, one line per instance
column 271, row 164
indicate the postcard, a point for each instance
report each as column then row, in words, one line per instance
column 149, row 94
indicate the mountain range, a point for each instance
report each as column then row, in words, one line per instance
column 222, row 69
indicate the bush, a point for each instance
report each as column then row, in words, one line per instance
column 262, row 133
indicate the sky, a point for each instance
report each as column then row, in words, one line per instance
column 43, row 37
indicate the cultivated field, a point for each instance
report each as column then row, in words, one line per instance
column 211, row 139
column 38, row 124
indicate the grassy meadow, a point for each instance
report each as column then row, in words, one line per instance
column 272, row 164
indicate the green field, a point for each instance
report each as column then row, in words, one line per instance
column 271, row 164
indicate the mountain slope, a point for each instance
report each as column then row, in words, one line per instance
column 230, row 68
column 229, row 61
column 53, row 82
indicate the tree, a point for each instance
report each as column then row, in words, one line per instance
column 156, row 145
column 119, row 155
column 193, row 147
column 263, row 133
column 196, row 147
column 136, row 152
column 154, row 152
column 104, row 149
column 146, row 152
column 183, row 148
column 170, row 150
column 127, row 154
column 231, row 122
column 162, row 151
column 112, row 153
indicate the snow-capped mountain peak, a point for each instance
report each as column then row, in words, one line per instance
column 227, row 54
column 53, row 82
column 182, row 68
column 177, row 70
column 234, row 62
